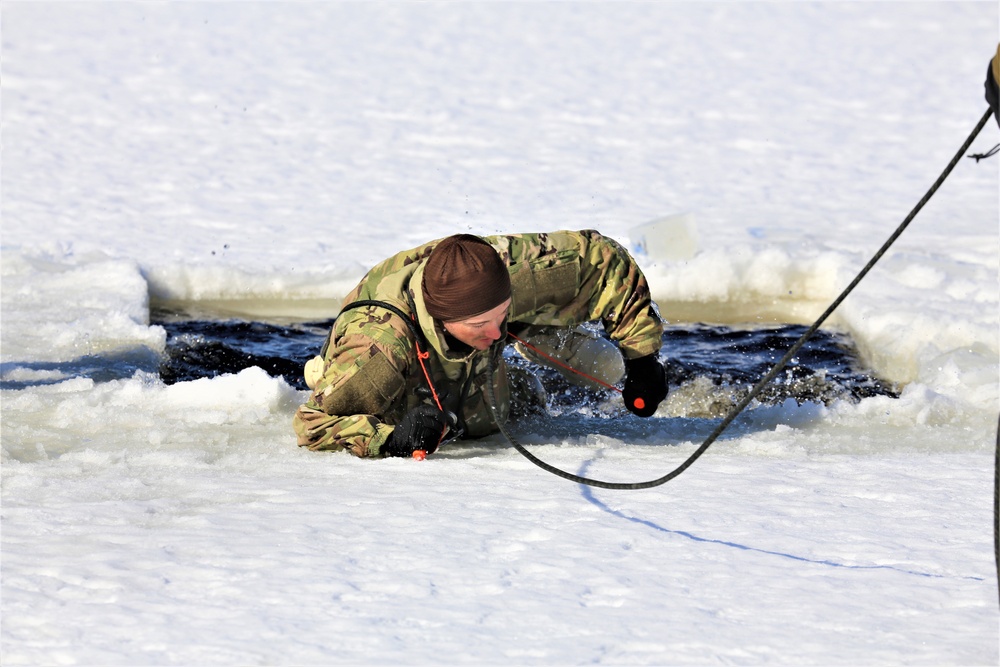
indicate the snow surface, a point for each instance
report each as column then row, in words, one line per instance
column 257, row 158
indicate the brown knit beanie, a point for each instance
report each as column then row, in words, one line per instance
column 464, row 276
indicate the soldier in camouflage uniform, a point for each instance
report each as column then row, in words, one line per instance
column 374, row 397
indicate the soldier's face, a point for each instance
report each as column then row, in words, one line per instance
column 480, row 331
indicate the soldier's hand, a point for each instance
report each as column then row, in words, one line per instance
column 422, row 428
column 645, row 385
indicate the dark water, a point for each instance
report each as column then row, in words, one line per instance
column 825, row 369
column 199, row 348
column 726, row 360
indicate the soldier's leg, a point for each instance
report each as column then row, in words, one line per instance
column 579, row 348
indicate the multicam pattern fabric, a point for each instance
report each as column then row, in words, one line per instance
column 371, row 375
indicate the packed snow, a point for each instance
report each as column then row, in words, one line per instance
column 255, row 159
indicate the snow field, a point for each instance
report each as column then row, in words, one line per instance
column 258, row 158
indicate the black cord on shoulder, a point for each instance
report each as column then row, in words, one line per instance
column 764, row 380
column 388, row 306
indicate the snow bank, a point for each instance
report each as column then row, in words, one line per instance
column 58, row 306
column 141, row 416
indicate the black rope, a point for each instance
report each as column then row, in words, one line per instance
column 764, row 380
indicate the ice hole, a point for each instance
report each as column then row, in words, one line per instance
column 710, row 367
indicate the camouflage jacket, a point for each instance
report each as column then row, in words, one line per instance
column 371, row 374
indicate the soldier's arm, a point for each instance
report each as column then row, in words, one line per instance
column 360, row 382
column 567, row 278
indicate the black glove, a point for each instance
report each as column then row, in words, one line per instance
column 645, row 385
column 991, row 89
column 422, row 428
